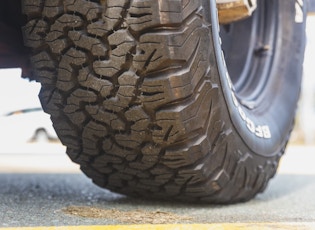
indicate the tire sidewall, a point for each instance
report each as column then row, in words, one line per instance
column 282, row 93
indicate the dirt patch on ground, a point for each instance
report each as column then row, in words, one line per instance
column 130, row 217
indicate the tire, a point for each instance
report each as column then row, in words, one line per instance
column 145, row 101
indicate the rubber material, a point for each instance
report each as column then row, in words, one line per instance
column 138, row 92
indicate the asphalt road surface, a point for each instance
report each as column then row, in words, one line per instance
column 57, row 194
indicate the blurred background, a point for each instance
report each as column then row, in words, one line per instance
column 27, row 136
column 304, row 132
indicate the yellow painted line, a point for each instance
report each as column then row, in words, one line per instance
column 231, row 226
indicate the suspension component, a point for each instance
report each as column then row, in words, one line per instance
column 234, row 10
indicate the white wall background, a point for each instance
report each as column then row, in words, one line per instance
column 306, row 116
column 17, row 93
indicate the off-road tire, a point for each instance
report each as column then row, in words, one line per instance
column 139, row 92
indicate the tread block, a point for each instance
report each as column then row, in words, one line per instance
column 93, row 45
column 88, row 9
column 110, row 119
column 182, row 120
column 44, row 68
column 52, row 8
column 111, row 18
column 157, row 51
column 144, row 14
column 138, row 134
column 93, row 134
column 74, row 107
column 126, row 92
column 67, row 73
column 56, row 36
column 33, row 32
column 122, row 43
column 87, row 79
column 31, row 7
column 187, row 156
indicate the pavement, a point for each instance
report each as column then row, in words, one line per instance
column 45, row 190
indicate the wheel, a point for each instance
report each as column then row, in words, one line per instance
column 150, row 103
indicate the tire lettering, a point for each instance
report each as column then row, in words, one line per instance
column 266, row 131
column 235, row 101
column 242, row 113
column 261, row 131
column 250, row 125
